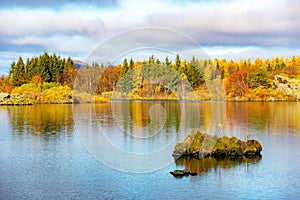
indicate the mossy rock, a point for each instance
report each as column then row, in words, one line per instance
column 179, row 149
column 219, row 153
column 201, row 145
column 254, row 143
column 235, row 151
column 252, row 148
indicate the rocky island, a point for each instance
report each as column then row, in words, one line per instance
column 200, row 145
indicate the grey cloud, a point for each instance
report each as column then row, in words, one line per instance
column 265, row 27
column 146, row 39
column 79, row 31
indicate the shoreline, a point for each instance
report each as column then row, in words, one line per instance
column 29, row 103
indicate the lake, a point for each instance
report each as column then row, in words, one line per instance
column 123, row 150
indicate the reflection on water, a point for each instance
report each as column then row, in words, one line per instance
column 41, row 119
column 277, row 117
column 263, row 117
column 42, row 157
column 204, row 165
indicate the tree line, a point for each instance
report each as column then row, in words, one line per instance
column 239, row 77
column 44, row 68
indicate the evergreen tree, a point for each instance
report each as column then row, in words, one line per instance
column 157, row 61
column 183, row 67
column 151, row 59
column 44, row 67
column 193, row 74
column 131, row 64
column 167, row 62
column 18, row 73
column 259, row 78
column 126, row 82
column 124, row 69
column 177, row 63
column 56, row 68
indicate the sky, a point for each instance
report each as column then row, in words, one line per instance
column 113, row 29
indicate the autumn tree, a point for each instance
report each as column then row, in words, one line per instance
column 37, row 79
column 292, row 67
column 69, row 73
column 108, row 79
column 237, row 83
column 4, row 84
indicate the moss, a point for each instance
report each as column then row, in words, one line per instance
column 203, row 145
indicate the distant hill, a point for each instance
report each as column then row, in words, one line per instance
column 78, row 64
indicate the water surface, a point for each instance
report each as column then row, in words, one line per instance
column 42, row 155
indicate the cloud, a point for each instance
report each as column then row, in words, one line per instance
column 237, row 23
column 58, row 43
column 46, row 22
column 54, row 3
column 75, row 28
column 270, row 23
column 253, row 52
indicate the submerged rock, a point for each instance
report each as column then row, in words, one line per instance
column 200, row 145
column 178, row 173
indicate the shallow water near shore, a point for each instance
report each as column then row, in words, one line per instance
column 45, row 155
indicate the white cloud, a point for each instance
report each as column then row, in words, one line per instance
column 45, row 21
column 61, row 43
column 237, row 53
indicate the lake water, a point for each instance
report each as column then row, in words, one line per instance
column 122, row 150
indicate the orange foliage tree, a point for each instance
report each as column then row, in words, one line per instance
column 37, row 79
column 108, row 79
column 237, row 83
column 5, row 84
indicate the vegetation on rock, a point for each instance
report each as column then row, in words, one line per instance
column 200, row 145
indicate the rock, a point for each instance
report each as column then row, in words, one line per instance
column 14, row 99
column 4, row 96
column 219, row 153
column 193, row 173
column 236, row 151
column 186, row 172
column 254, row 143
column 252, row 148
column 200, row 145
column 287, row 85
column 178, row 173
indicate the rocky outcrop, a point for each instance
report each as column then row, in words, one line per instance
column 287, row 85
column 4, row 96
column 200, row 145
column 8, row 99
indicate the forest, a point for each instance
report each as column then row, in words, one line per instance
column 49, row 78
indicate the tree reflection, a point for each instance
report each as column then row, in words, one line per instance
column 267, row 117
column 41, row 119
column 204, row 165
